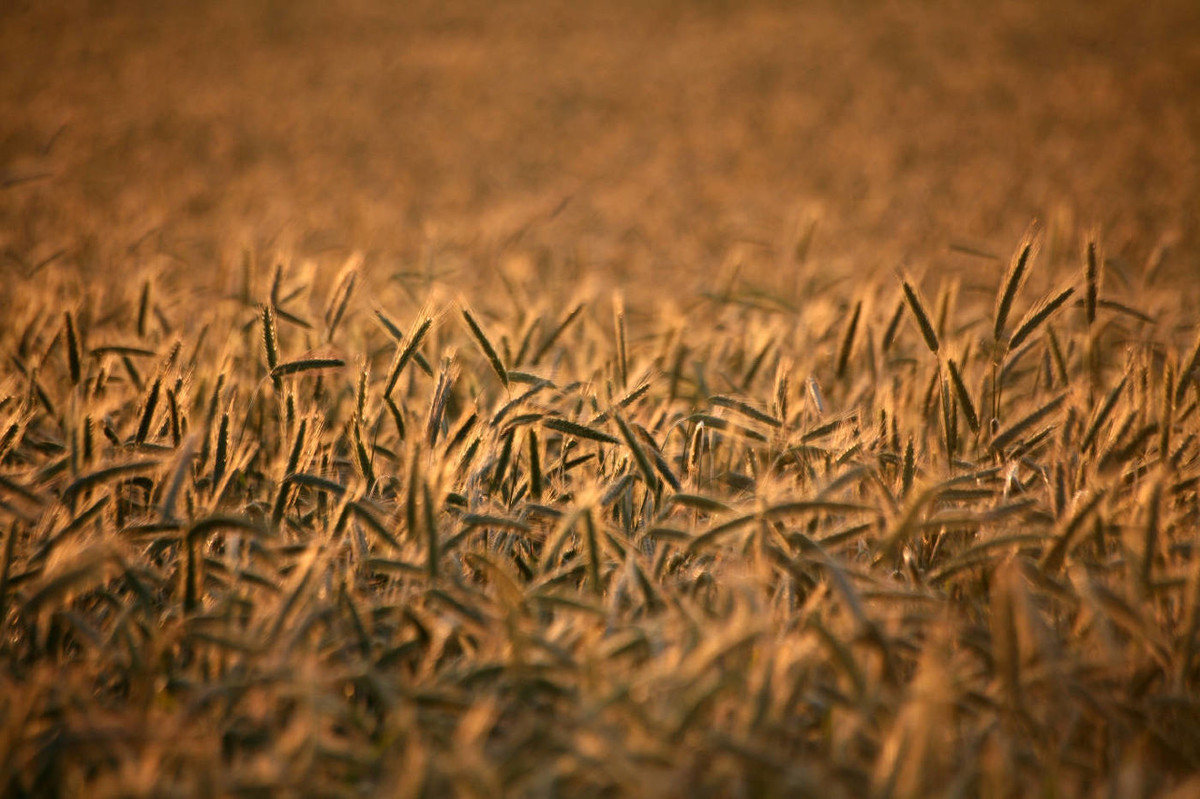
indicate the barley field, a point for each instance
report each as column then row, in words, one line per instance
column 577, row 399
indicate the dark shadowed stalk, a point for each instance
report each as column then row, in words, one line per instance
column 556, row 333
column 74, row 351
column 486, row 346
column 1093, row 265
column 1037, row 315
column 964, row 397
column 893, row 325
column 143, row 314
column 1014, row 278
column 148, row 408
column 920, row 315
column 847, row 345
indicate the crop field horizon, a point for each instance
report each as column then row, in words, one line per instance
column 625, row 399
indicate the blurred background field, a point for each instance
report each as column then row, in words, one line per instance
column 632, row 139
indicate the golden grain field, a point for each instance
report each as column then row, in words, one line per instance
column 553, row 399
